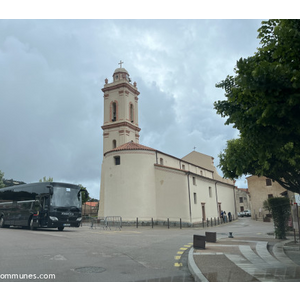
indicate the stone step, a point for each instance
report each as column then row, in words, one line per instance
column 263, row 265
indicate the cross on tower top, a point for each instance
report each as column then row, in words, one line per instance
column 120, row 63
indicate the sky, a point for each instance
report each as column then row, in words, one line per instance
column 52, row 72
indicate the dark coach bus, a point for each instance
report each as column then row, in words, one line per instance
column 41, row 205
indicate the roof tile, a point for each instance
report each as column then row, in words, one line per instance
column 131, row 146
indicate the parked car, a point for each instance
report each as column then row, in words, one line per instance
column 247, row 213
column 241, row 214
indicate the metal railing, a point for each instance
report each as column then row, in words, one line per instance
column 117, row 223
column 113, row 221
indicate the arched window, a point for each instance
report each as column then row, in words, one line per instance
column 131, row 112
column 114, row 111
column 114, row 144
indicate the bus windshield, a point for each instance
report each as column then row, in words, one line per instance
column 65, row 197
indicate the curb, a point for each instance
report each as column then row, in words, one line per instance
column 196, row 273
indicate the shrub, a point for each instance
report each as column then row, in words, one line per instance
column 281, row 209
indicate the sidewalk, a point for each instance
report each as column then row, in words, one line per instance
column 246, row 259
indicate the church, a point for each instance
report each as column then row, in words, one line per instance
column 142, row 182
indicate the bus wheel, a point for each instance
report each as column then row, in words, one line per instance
column 31, row 227
column 61, row 228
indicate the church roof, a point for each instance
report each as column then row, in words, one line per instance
column 131, row 146
column 121, row 70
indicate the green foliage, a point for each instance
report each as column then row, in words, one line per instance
column 281, row 211
column 1, row 180
column 50, row 179
column 263, row 103
column 84, row 193
column 266, row 205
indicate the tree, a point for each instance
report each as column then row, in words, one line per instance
column 2, row 185
column 50, row 179
column 84, row 193
column 263, row 103
column 266, row 206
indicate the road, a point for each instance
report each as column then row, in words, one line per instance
column 97, row 255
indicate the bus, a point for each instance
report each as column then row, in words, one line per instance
column 41, row 205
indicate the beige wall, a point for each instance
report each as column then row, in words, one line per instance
column 139, row 187
column 259, row 192
column 171, row 195
column 246, row 204
column 129, row 187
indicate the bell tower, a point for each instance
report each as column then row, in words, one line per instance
column 120, row 111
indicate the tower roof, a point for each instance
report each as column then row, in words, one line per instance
column 131, row 146
column 121, row 70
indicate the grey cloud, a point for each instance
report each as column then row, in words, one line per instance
column 52, row 72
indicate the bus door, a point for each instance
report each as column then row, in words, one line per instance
column 25, row 212
column 43, row 210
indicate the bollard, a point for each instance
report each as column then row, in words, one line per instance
column 210, row 237
column 230, row 235
column 180, row 224
column 168, row 224
column 199, row 241
column 137, row 222
column 152, row 222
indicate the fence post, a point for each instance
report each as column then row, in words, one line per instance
column 168, row 224
column 152, row 222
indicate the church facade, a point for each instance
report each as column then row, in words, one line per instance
column 141, row 182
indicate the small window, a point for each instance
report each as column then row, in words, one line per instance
column 161, row 160
column 114, row 144
column 195, row 198
column 183, row 167
column 268, row 182
column 117, row 160
column 194, row 180
column 241, row 199
column 114, row 112
column 210, row 192
column 270, row 196
column 131, row 113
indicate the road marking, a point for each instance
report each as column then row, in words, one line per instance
column 46, row 233
column 114, row 232
column 178, row 265
column 178, row 257
column 58, row 257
